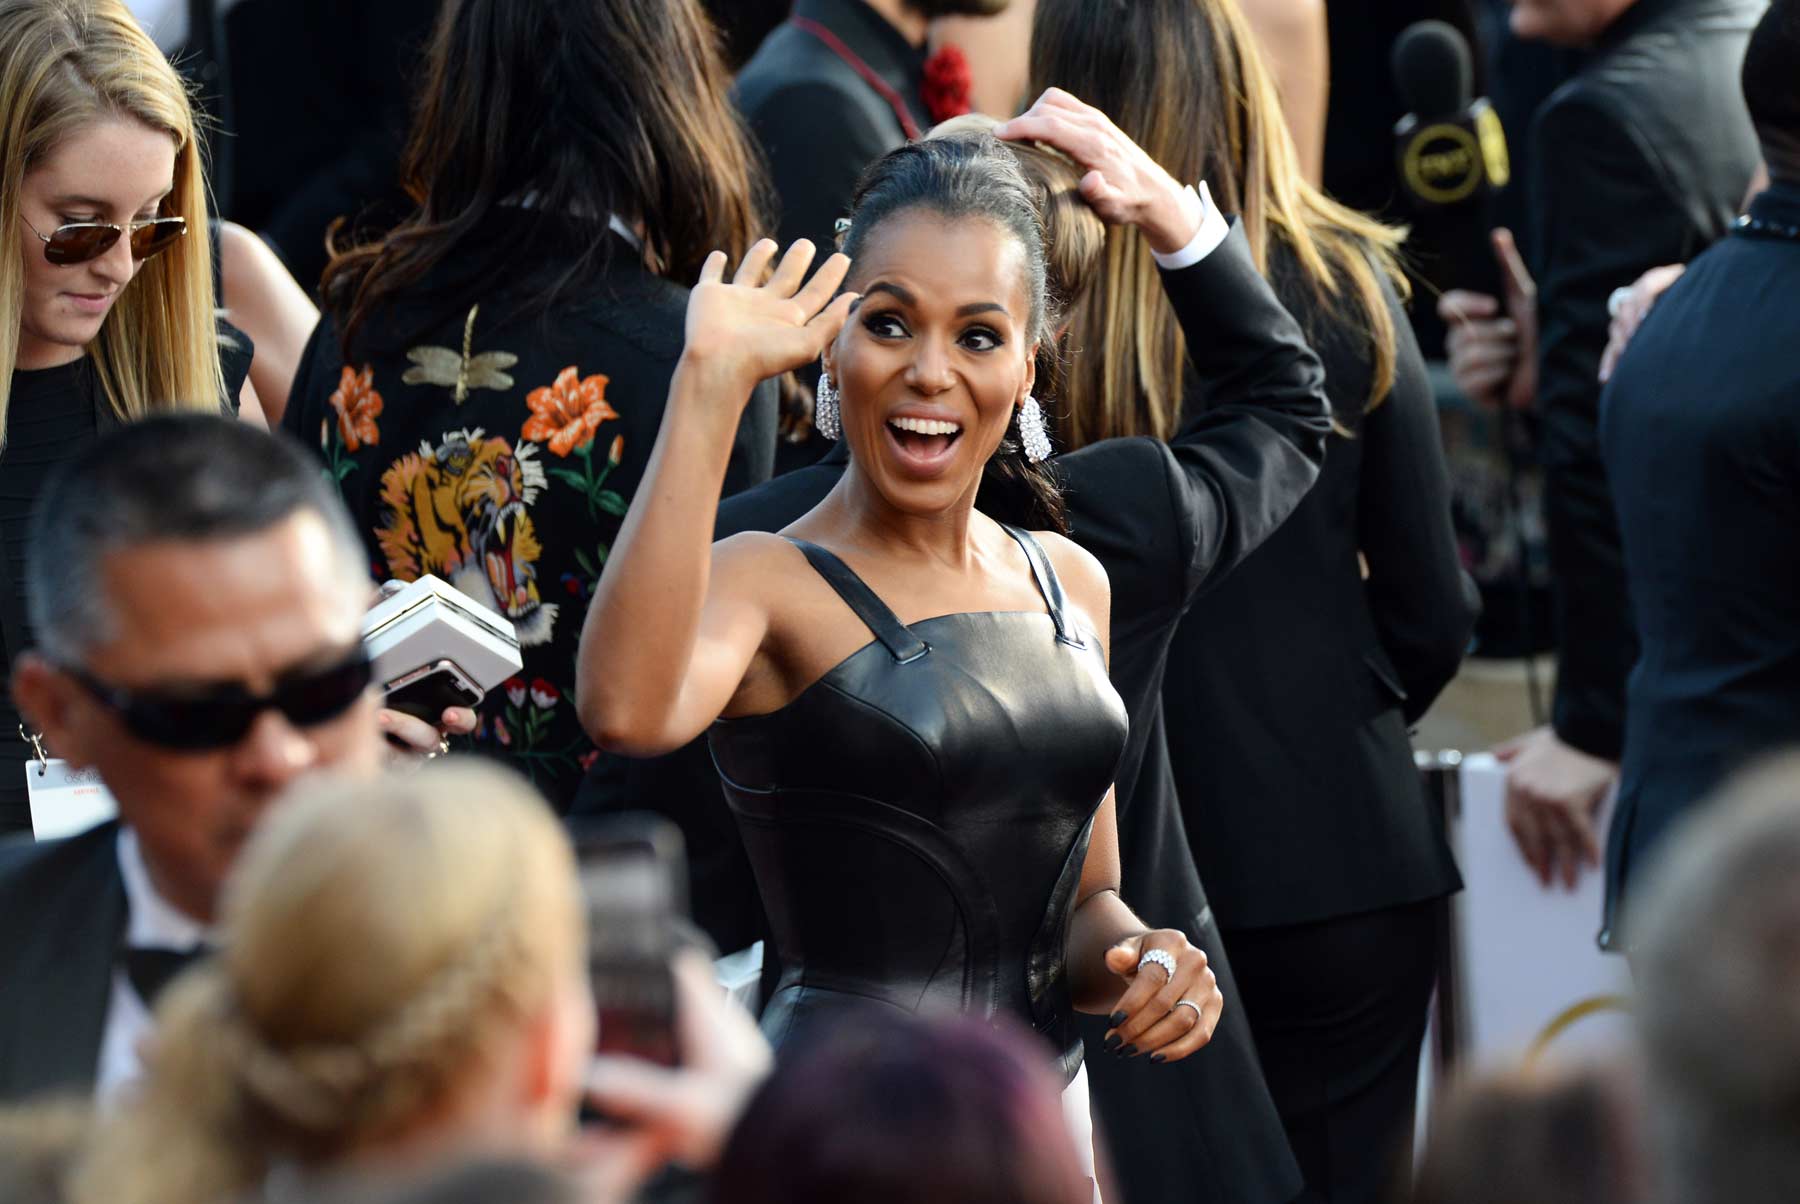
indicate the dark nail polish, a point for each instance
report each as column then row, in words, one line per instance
column 1130, row 1051
column 1112, row 1043
column 1157, row 1058
column 1115, row 1020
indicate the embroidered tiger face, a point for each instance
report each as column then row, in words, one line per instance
column 461, row 510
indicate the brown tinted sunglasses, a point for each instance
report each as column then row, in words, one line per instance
column 79, row 242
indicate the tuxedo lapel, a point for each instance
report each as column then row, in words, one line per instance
column 65, row 911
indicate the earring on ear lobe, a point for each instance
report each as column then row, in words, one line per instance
column 1032, row 431
column 825, row 408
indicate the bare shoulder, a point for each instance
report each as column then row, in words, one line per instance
column 753, row 557
column 1286, row 21
column 1082, row 575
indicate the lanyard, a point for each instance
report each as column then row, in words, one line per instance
column 854, row 61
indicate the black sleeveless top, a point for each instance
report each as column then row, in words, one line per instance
column 918, row 817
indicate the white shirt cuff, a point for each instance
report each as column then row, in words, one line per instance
column 1206, row 240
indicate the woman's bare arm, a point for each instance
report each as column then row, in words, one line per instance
column 1147, row 1009
column 1292, row 37
column 264, row 301
column 675, row 623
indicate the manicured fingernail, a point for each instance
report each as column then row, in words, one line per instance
column 1130, row 1051
column 1158, row 1058
column 1115, row 1020
column 1112, row 1043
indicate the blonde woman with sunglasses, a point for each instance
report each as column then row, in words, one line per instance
column 102, row 195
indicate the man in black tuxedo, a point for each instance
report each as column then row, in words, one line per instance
column 1164, row 520
column 1700, row 430
column 1640, row 159
column 196, row 594
column 833, row 90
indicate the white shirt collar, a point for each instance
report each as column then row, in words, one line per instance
column 153, row 922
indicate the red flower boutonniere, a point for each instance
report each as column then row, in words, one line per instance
column 947, row 83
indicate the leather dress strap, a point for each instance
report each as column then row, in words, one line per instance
column 894, row 635
column 1047, row 583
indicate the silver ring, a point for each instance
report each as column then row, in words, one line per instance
column 1161, row 958
column 1615, row 300
column 1199, row 1016
column 443, row 746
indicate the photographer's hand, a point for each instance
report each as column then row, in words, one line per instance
column 683, row 1114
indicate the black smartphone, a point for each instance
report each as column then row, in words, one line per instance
column 426, row 692
column 633, row 870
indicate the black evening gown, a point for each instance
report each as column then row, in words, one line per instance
column 918, row 817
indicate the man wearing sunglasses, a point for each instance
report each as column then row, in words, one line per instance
column 196, row 593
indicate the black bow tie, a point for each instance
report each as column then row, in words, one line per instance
column 150, row 970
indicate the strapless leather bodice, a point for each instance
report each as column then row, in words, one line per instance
column 918, row 817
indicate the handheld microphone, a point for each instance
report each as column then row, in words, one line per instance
column 1450, row 151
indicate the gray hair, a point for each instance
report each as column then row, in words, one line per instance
column 179, row 477
column 1716, row 954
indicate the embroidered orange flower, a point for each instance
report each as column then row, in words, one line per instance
column 567, row 413
column 357, row 405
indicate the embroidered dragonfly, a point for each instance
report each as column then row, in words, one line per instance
column 442, row 366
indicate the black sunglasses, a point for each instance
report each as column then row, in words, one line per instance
column 78, row 242
column 220, row 716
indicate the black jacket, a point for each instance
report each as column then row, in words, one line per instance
column 1164, row 520
column 1700, row 429
column 819, row 121
column 1640, row 159
column 1291, row 685
column 312, row 103
column 64, row 904
column 512, row 491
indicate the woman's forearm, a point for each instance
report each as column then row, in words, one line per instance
column 1101, row 921
column 638, row 643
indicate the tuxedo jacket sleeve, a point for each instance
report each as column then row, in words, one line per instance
column 1254, row 448
column 1603, row 220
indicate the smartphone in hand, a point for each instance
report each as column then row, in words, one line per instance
column 633, row 871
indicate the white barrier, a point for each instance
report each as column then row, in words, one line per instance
column 1532, row 979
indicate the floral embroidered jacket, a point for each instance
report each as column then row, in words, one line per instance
column 498, row 450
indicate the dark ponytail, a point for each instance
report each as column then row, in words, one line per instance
column 975, row 176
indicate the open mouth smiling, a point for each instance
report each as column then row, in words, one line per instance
column 923, row 444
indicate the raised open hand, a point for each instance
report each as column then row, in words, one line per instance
column 1123, row 184
column 764, row 322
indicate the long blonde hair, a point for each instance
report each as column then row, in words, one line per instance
column 1185, row 80
column 380, row 942
column 64, row 64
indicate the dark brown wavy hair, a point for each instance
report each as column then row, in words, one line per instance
column 563, row 109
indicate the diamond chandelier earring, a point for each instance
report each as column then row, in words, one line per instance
column 1032, row 431
column 825, row 408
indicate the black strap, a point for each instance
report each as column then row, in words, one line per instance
column 1047, row 583
column 894, row 635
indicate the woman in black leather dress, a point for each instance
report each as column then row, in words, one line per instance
column 929, row 811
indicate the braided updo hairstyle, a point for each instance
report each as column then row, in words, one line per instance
column 960, row 177
column 381, row 943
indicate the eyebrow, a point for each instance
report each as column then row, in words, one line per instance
column 906, row 298
column 92, row 202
